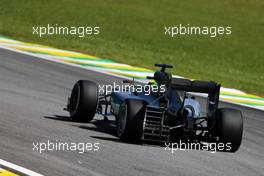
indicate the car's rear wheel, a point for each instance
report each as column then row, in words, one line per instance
column 83, row 101
column 230, row 127
column 130, row 120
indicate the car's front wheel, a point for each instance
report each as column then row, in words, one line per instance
column 83, row 101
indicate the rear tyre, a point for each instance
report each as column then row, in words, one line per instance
column 83, row 101
column 130, row 120
column 230, row 128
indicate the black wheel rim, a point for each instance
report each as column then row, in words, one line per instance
column 122, row 121
column 74, row 100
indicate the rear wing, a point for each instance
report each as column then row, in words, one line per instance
column 198, row 86
column 209, row 87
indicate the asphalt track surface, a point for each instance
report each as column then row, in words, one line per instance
column 33, row 93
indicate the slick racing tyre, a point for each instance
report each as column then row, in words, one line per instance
column 130, row 120
column 230, row 127
column 83, row 101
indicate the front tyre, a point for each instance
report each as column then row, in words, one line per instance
column 83, row 101
column 130, row 120
column 230, row 127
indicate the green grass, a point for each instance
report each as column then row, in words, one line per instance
column 133, row 32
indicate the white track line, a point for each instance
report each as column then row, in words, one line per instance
column 18, row 168
column 65, row 63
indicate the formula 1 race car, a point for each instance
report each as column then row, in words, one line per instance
column 170, row 112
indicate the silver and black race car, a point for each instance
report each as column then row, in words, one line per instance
column 171, row 112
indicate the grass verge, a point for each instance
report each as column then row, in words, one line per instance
column 132, row 32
